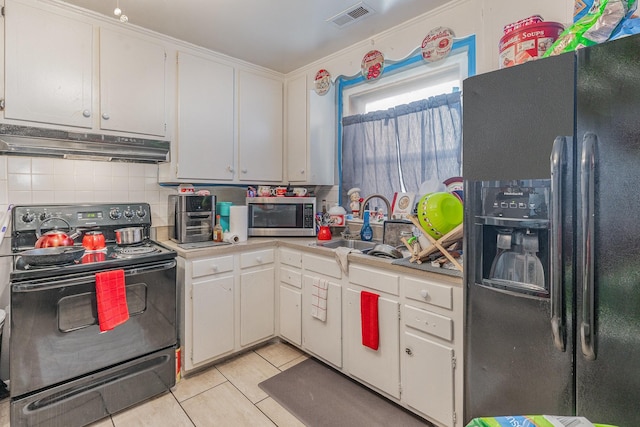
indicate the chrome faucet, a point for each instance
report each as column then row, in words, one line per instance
column 375, row 196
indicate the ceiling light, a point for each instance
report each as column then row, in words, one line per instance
column 118, row 12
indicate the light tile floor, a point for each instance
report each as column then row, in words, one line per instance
column 226, row 394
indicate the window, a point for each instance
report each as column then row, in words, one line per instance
column 403, row 130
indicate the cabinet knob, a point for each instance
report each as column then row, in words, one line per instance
column 259, row 259
column 105, row 116
column 214, row 267
column 243, row 170
column 424, row 294
column 408, row 351
column 301, row 171
column 86, row 113
column 229, row 168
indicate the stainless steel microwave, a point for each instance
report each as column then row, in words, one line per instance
column 282, row 216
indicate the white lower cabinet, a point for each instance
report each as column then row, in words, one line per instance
column 207, row 324
column 212, row 315
column 379, row 368
column 257, row 296
column 431, row 343
column 290, row 296
column 232, row 302
column 322, row 338
column 291, row 315
column 428, row 378
column 228, row 303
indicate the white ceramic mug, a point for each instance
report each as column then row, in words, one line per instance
column 264, row 191
column 300, row 191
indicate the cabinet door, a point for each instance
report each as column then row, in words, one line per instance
column 205, row 119
column 132, row 84
column 297, row 130
column 259, row 127
column 322, row 138
column 323, row 338
column 380, row 368
column 43, row 84
column 257, row 305
column 291, row 314
column 212, row 318
column 427, row 378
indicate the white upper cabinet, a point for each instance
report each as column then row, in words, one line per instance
column 205, row 143
column 132, row 84
column 311, row 134
column 297, row 167
column 59, row 73
column 260, row 134
column 43, row 84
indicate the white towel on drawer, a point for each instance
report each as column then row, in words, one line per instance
column 319, row 298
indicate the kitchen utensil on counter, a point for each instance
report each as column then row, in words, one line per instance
column 324, row 233
column 55, row 238
column 222, row 209
column 264, row 191
column 300, row 191
column 337, row 215
column 93, row 241
column 385, row 251
column 439, row 213
column 129, row 235
column 238, row 222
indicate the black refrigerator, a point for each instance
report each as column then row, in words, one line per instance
column 551, row 162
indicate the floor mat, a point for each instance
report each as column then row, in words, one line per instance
column 320, row 396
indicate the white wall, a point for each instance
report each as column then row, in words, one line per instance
column 484, row 18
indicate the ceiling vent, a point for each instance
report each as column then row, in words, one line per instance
column 355, row 13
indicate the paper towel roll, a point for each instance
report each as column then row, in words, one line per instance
column 238, row 221
column 230, row 237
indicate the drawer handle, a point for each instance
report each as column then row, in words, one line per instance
column 408, row 351
column 424, row 294
column 259, row 259
column 215, row 267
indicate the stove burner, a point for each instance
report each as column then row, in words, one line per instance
column 134, row 251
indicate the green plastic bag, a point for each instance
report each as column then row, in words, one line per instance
column 593, row 28
column 532, row 421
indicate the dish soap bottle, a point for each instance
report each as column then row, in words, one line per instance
column 217, row 230
column 366, row 233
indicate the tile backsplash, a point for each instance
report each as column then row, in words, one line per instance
column 40, row 180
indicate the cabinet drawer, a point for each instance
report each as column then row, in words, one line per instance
column 252, row 259
column 323, row 265
column 292, row 277
column 374, row 279
column 428, row 322
column 429, row 292
column 206, row 267
column 292, row 258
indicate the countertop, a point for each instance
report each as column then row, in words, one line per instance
column 305, row 244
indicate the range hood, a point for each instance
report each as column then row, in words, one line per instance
column 34, row 141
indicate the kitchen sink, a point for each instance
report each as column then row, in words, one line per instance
column 348, row 243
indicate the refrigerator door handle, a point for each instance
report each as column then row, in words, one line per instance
column 587, row 190
column 558, row 162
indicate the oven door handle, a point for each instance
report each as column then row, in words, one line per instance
column 62, row 282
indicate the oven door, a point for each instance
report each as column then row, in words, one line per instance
column 55, row 335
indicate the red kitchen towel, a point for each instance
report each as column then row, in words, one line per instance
column 369, row 319
column 111, row 297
